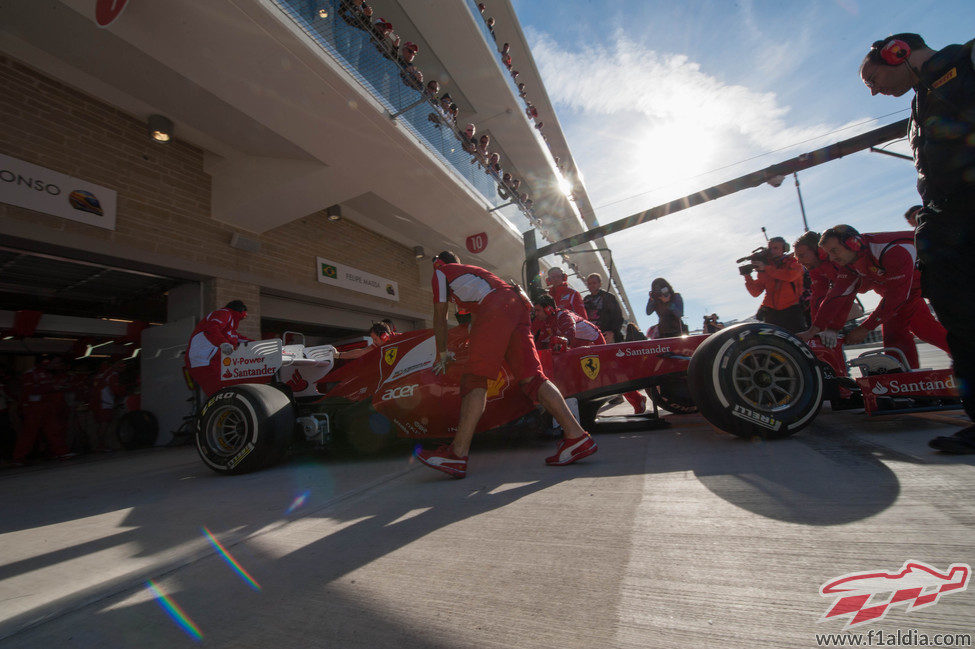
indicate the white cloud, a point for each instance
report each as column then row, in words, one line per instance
column 640, row 120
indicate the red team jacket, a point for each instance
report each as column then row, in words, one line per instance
column 886, row 262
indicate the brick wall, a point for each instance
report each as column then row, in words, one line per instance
column 164, row 201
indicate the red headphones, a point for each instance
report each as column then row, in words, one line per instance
column 852, row 241
column 895, row 51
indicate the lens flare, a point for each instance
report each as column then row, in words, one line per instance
column 173, row 610
column 298, row 502
column 230, row 559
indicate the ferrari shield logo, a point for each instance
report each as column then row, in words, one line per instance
column 590, row 366
column 390, row 355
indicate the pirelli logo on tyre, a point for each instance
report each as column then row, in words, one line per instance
column 756, row 418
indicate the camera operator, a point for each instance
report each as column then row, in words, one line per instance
column 779, row 276
column 669, row 307
column 886, row 260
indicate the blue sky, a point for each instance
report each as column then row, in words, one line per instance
column 653, row 97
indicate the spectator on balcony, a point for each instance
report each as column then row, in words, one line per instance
column 522, row 92
column 482, row 146
column 433, row 89
column 514, row 74
column 539, row 125
column 468, row 141
column 411, row 75
column 531, row 111
column 454, row 111
column 494, row 165
column 481, row 7
column 506, row 55
column 445, row 101
column 490, row 26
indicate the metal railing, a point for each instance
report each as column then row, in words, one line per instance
column 350, row 42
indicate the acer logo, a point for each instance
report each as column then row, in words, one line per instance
column 401, row 391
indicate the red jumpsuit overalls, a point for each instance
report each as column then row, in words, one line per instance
column 569, row 299
column 578, row 331
column 202, row 357
column 105, row 389
column 42, row 410
column 500, row 326
column 887, row 263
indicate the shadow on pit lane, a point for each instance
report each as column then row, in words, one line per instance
column 815, row 478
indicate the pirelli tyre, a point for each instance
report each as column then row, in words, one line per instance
column 673, row 395
column 244, row 428
column 756, row 380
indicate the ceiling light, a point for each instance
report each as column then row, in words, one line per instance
column 333, row 213
column 160, row 128
column 418, row 252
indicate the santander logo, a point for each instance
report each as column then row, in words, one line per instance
column 642, row 351
column 899, row 387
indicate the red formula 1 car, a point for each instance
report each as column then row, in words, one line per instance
column 750, row 380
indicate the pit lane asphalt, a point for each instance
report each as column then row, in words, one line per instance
column 681, row 537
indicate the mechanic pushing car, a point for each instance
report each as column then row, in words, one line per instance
column 828, row 314
column 216, row 332
column 886, row 261
column 561, row 329
column 500, row 332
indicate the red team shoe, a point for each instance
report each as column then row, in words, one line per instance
column 444, row 459
column 570, row 450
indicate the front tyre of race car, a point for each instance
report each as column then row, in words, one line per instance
column 244, row 428
column 756, row 380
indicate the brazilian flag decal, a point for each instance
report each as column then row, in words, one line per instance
column 330, row 271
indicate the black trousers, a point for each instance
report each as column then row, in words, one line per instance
column 789, row 318
column 946, row 250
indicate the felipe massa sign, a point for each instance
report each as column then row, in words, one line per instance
column 353, row 279
column 42, row 190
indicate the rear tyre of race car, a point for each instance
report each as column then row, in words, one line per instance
column 673, row 395
column 756, row 380
column 244, row 428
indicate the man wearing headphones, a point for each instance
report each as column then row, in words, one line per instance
column 941, row 133
column 886, row 261
column 781, row 281
column 829, row 311
column 565, row 296
column 500, row 332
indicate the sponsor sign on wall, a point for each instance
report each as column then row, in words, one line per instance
column 42, row 190
column 343, row 276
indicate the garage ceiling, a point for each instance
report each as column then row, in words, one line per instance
column 57, row 285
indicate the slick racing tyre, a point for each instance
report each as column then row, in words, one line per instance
column 673, row 395
column 756, row 380
column 245, row 428
column 137, row 429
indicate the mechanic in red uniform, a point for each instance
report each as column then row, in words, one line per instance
column 216, row 332
column 829, row 314
column 565, row 297
column 500, row 332
column 886, row 260
column 556, row 324
column 42, row 410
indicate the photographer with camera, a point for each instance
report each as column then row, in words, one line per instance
column 779, row 276
column 669, row 307
column 711, row 324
